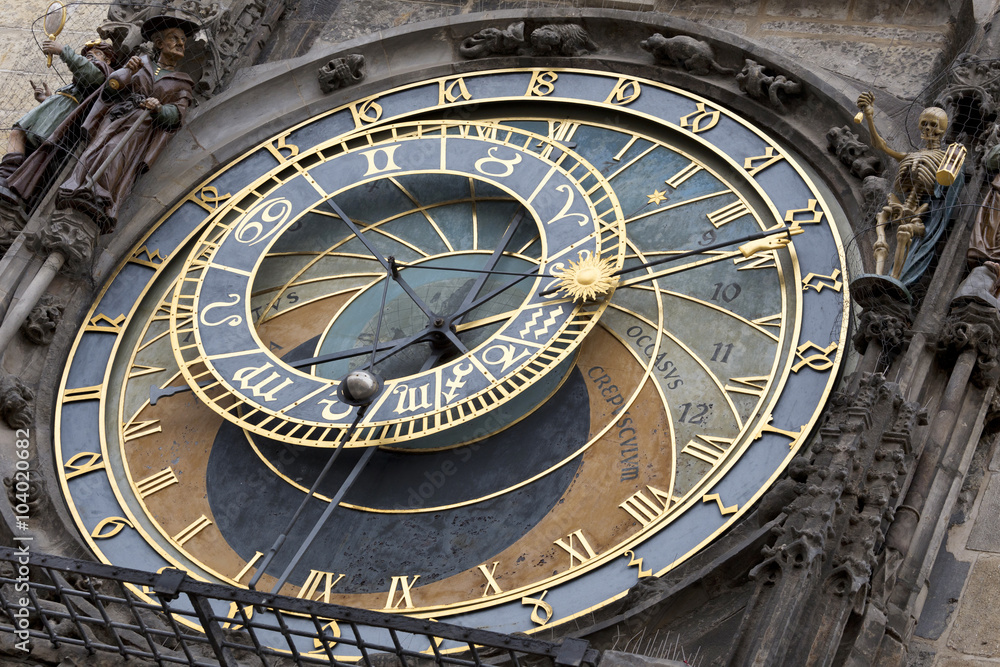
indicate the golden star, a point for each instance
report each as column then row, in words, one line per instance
column 658, row 197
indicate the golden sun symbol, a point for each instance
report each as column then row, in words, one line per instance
column 587, row 279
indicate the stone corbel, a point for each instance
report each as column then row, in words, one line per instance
column 974, row 326
column 759, row 85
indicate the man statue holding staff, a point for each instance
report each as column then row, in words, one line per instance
column 141, row 106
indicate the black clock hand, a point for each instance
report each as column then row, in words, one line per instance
column 387, row 264
column 490, row 264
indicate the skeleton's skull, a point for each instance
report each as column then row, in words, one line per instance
column 933, row 123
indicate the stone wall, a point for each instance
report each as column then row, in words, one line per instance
column 895, row 46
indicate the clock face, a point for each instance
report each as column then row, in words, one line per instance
column 532, row 452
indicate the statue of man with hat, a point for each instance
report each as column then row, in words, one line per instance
column 141, row 106
column 57, row 119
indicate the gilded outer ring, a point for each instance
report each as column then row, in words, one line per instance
column 689, row 504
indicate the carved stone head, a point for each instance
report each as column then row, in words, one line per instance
column 933, row 124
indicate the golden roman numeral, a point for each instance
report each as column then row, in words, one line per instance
column 200, row 524
column 710, row 450
column 646, row 510
column 157, row 482
column 684, row 174
column 768, row 158
column 769, row 321
column 134, row 430
column 91, row 393
column 621, row 153
column 492, row 587
column 246, row 568
column 570, row 546
column 139, row 370
column 752, row 386
column 403, row 583
column 82, row 463
column 311, row 588
column 728, row 213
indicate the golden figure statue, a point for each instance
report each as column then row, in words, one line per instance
column 917, row 177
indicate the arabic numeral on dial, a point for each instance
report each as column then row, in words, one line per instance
column 708, row 238
column 696, row 414
column 722, row 351
column 726, row 292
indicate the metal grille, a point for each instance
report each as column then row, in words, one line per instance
column 172, row 619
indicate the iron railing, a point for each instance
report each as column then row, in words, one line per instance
column 172, row 619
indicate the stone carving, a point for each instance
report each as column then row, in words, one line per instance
column 12, row 221
column 341, row 72
column 874, row 191
column 561, row 40
column 916, row 180
column 15, row 402
column 854, row 153
column 494, row 42
column 143, row 104
column 50, row 129
column 567, row 39
column 973, row 84
column 30, row 492
column 761, row 86
column 70, row 234
column 888, row 330
column 822, row 564
column 232, row 35
column 40, row 326
column 972, row 326
column 685, row 52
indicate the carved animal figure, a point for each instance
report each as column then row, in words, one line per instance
column 758, row 84
column 341, row 72
column 561, row 40
column 493, row 42
column 689, row 53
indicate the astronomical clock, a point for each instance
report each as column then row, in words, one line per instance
column 595, row 317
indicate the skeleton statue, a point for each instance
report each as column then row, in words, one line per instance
column 915, row 180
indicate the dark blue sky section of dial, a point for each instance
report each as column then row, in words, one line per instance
column 251, row 505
